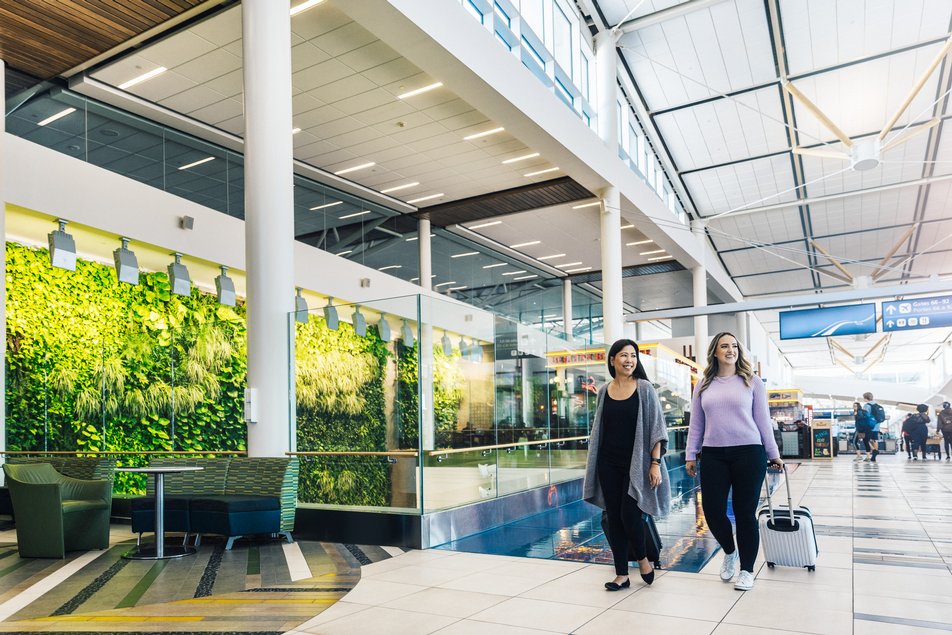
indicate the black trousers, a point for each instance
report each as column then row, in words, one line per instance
column 947, row 442
column 739, row 469
column 625, row 522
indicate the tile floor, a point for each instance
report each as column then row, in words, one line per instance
column 885, row 567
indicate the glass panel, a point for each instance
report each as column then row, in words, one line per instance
column 533, row 13
column 562, row 39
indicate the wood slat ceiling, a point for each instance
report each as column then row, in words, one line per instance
column 45, row 38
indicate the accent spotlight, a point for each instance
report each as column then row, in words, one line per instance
column 62, row 248
column 406, row 333
column 359, row 322
column 300, row 308
column 178, row 276
column 463, row 347
column 383, row 328
column 127, row 265
column 447, row 345
column 476, row 351
column 330, row 315
column 225, row 287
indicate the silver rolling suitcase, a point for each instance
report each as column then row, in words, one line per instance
column 787, row 535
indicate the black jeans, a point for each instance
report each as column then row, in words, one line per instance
column 739, row 469
column 947, row 442
column 625, row 521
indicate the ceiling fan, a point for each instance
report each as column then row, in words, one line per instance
column 866, row 153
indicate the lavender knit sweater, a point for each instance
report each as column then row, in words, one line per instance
column 729, row 413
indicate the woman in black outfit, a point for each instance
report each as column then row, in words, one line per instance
column 625, row 474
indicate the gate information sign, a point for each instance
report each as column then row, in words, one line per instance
column 917, row 313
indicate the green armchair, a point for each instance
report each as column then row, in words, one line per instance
column 57, row 513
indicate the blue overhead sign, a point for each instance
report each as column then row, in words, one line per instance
column 919, row 313
column 853, row 319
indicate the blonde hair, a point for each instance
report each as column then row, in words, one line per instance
column 742, row 368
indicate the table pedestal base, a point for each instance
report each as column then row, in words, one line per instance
column 148, row 552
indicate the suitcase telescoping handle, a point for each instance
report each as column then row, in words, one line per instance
column 786, row 480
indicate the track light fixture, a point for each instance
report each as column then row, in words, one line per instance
column 406, row 333
column 475, row 351
column 359, row 322
column 178, row 277
column 127, row 265
column 383, row 328
column 62, row 248
column 225, row 287
column 300, row 308
column 463, row 347
column 330, row 315
column 447, row 345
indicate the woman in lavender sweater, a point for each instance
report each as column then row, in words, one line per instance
column 731, row 429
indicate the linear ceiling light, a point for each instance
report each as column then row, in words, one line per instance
column 464, row 254
column 443, row 284
column 526, row 277
column 653, row 251
column 412, row 238
column 498, row 264
column 225, row 287
column 399, row 187
column 300, row 308
column 586, row 205
column 525, row 244
column 513, row 273
column 59, row 115
column 194, row 163
column 62, row 248
column 344, row 253
column 355, row 214
column 551, row 257
column 568, row 264
column 127, row 265
column 484, row 133
column 538, row 172
column 388, row 267
column 178, row 276
column 579, row 270
column 362, row 166
column 425, row 198
column 638, row 242
column 419, row 91
column 326, row 205
column 628, row 226
column 459, row 288
column 295, row 130
column 304, row 6
column 660, row 258
column 522, row 158
column 144, row 77
column 489, row 224
column 330, row 315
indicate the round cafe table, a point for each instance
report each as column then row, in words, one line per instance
column 159, row 551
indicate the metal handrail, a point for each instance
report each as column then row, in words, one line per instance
column 115, row 453
column 413, row 453
column 500, row 446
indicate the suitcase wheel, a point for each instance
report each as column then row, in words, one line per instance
column 770, row 565
column 811, row 568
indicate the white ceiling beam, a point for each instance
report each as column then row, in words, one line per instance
column 665, row 14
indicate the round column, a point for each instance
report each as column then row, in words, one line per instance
column 699, row 280
column 610, row 225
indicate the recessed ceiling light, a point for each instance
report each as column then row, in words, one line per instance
column 399, row 187
column 295, row 130
column 493, row 266
column 489, row 224
column 443, row 284
column 362, row 166
column 344, row 253
column 142, row 78
column 526, row 277
column 58, row 115
column 355, row 214
column 525, row 244
column 464, row 254
column 638, row 242
column 484, row 133
column 426, row 198
column 457, row 288
column 551, row 257
column 568, row 264
column 628, row 226
column 653, row 251
column 580, row 269
column 326, row 205
column 389, row 267
column 538, row 172
column 194, row 163
column 522, row 158
column 513, row 273
column 661, row 258
column 586, row 205
column 304, row 6
column 412, row 238
column 418, row 91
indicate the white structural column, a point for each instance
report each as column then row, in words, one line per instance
column 567, row 320
column 606, row 87
column 3, row 261
column 427, row 313
column 612, row 312
column 699, row 273
column 269, row 220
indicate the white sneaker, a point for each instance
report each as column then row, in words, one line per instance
column 745, row 581
column 859, row 457
column 865, row 459
column 729, row 566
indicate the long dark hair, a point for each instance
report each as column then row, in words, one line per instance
column 616, row 348
column 742, row 367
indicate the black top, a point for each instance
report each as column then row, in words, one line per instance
column 619, row 420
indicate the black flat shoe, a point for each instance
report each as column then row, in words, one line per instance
column 648, row 577
column 614, row 586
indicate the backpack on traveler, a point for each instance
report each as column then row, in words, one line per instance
column 879, row 415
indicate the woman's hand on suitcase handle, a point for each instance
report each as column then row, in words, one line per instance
column 691, row 468
column 776, row 463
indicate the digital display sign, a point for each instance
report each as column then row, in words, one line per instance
column 853, row 319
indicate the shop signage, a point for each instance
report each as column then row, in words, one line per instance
column 822, row 439
column 853, row 319
column 579, row 358
column 918, row 313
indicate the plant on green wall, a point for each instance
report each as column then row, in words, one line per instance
column 448, row 382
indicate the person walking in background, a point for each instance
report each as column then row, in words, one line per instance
column 943, row 426
column 625, row 474
column 862, row 428
column 731, row 430
column 876, row 416
column 915, row 428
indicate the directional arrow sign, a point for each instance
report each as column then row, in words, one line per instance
column 918, row 313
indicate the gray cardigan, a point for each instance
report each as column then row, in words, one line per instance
column 650, row 429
